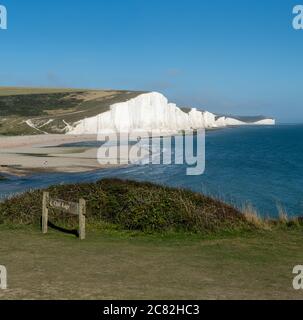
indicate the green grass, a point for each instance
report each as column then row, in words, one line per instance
column 11, row 91
column 146, row 241
column 34, row 105
column 131, row 205
column 132, row 265
column 40, row 105
column 140, row 206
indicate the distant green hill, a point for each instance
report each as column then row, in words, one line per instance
column 50, row 110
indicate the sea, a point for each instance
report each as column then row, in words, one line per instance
column 256, row 166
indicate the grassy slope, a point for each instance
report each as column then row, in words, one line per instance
column 20, row 104
column 132, row 206
column 11, row 91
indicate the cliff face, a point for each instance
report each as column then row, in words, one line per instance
column 153, row 112
column 29, row 111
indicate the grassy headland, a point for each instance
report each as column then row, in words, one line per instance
column 146, row 241
column 140, row 206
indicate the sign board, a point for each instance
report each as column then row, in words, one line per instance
column 78, row 209
column 69, row 207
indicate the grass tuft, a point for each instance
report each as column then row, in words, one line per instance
column 252, row 216
column 283, row 216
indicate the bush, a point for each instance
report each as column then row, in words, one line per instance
column 132, row 206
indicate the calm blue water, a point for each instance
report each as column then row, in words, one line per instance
column 258, row 165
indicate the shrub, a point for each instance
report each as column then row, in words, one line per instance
column 131, row 205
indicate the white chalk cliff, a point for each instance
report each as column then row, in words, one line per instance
column 153, row 112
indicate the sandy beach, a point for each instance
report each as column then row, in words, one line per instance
column 22, row 155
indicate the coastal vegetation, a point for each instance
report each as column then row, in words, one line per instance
column 147, row 241
column 141, row 206
column 112, row 264
column 131, row 205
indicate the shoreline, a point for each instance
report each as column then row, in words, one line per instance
column 23, row 155
column 46, row 153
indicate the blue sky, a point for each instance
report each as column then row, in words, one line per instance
column 228, row 56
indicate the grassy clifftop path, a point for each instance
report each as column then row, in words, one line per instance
column 146, row 241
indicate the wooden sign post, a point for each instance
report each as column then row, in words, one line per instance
column 78, row 209
column 82, row 213
column 45, row 212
